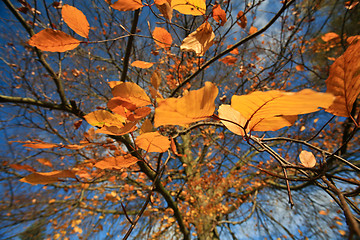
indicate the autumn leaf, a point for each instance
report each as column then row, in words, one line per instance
column 272, row 110
column 165, row 8
column 162, row 37
column 242, row 20
column 117, row 162
column 252, row 30
column 40, row 145
column 139, row 113
column 153, row 142
column 101, row 118
column 200, row 40
column 229, row 60
column 127, row 5
column 299, row 68
column 131, row 92
column 45, row 162
column 232, row 119
column 53, row 41
column 20, row 167
column 344, row 81
column 190, row 7
column 142, row 64
column 330, row 36
column 307, row 159
column 76, row 20
column 118, row 130
column 47, row 177
column 156, row 79
column 194, row 106
column 146, row 126
column 219, row 14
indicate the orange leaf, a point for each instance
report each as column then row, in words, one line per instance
column 307, row 159
column 139, row 113
column 142, row 64
column 121, row 106
column 117, row 162
column 252, row 30
column 102, row 118
column 127, row 5
column 47, row 177
column 162, row 37
column 146, row 126
column 117, row 130
column 219, row 14
column 229, row 60
column 53, row 41
column 330, row 36
column 112, row 84
column 45, row 162
column 40, row 145
column 132, row 92
column 190, row 7
column 344, row 81
column 153, row 142
column 242, row 20
column 76, row 20
column 165, row 8
column 194, row 106
column 200, row 40
column 299, row 68
column 272, row 110
column 156, row 79
column 22, row 167
column 229, row 116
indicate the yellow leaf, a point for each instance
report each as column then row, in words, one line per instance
column 153, row 142
column 190, row 7
column 219, row 14
column 117, row 162
column 272, row 110
column 200, row 40
column 53, row 41
column 142, row 64
column 132, row 92
column 162, row 37
column 344, row 81
column 102, row 118
column 48, row 177
column 76, row 20
column 307, row 159
column 165, row 8
column 194, row 106
column 127, row 5
column 156, row 79
column 229, row 116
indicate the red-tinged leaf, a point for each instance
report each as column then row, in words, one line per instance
column 194, row 106
column 162, row 37
column 242, row 20
column 219, row 14
column 190, row 7
column 299, row 68
column 232, row 119
column 307, row 159
column 40, row 145
column 127, row 5
column 48, row 177
column 117, row 162
column 344, row 81
column 121, row 106
column 53, row 41
column 20, row 167
column 330, row 37
column 165, row 8
column 173, row 147
column 77, row 124
column 200, row 40
column 45, row 162
column 229, row 60
column 76, row 20
column 133, row 93
column 142, row 64
column 153, row 142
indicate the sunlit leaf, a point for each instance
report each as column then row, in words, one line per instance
column 117, row 162
column 252, row 30
column 232, row 119
column 40, row 145
column 344, row 81
column 307, row 159
column 153, row 142
column 330, row 36
column 162, row 37
column 127, row 5
column 53, row 41
column 200, row 40
column 142, row 64
column 219, row 14
column 45, row 162
column 139, row 113
column 131, row 92
column 102, row 118
column 189, row 7
column 48, row 177
column 118, row 130
column 194, row 106
column 76, row 20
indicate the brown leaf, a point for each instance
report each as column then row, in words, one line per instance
column 156, row 79
column 45, row 162
column 117, row 162
column 229, row 60
column 200, row 40
column 22, row 167
column 142, row 64
column 165, row 8
column 344, row 81
column 307, row 159
column 53, row 41
column 127, row 5
column 190, row 7
column 76, row 20
column 162, row 37
column 194, row 106
column 219, row 14
column 153, row 142
column 242, row 20
column 48, row 177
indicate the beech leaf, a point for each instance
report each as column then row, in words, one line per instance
column 194, row 106
column 47, row 177
column 118, row 130
column 132, row 93
column 219, row 14
column 242, row 20
column 76, row 20
column 127, row 5
column 53, row 41
column 153, row 142
column 165, row 8
column 229, row 116
column 162, row 37
column 156, row 79
column 117, row 162
column 190, row 7
column 344, row 81
column 102, row 118
column 200, row 40
column 142, row 64
column 307, row 159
